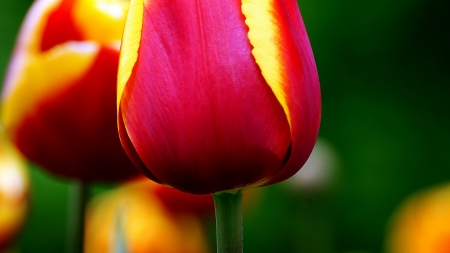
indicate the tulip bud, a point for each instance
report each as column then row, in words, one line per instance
column 147, row 225
column 217, row 95
column 14, row 187
column 58, row 102
column 422, row 223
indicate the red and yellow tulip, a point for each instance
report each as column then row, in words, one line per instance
column 14, row 188
column 143, row 221
column 422, row 223
column 217, row 95
column 58, row 102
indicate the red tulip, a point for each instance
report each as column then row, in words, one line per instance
column 58, row 103
column 217, row 95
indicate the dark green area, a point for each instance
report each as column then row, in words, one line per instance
column 384, row 70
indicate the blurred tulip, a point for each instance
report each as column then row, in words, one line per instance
column 147, row 225
column 14, row 188
column 217, row 95
column 181, row 203
column 422, row 223
column 58, row 102
column 174, row 200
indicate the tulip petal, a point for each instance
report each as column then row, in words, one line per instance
column 58, row 26
column 130, row 45
column 29, row 41
column 283, row 52
column 264, row 35
column 106, row 13
column 196, row 107
column 131, row 151
column 84, row 145
column 68, row 62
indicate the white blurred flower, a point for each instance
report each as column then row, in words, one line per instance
column 319, row 171
column 14, row 188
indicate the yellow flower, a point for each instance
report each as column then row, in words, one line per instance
column 14, row 188
column 422, row 223
column 146, row 223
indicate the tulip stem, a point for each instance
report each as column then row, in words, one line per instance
column 79, row 193
column 228, row 222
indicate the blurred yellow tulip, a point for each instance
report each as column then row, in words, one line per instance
column 422, row 223
column 147, row 225
column 14, row 187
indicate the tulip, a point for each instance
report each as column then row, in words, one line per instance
column 14, row 188
column 143, row 221
column 58, row 102
column 422, row 223
column 217, row 95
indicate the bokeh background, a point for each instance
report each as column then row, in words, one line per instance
column 385, row 78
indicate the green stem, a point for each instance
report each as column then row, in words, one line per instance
column 79, row 194
column 228, row 222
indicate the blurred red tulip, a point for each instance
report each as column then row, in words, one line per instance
column 422, row 223
column 216, row 95
column 147, row 225
column 58, row 102
column 14, row 188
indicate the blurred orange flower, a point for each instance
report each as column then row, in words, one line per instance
column 58, row 102
column 14, row 187
column 422, row 223
column 177, row 201
column 174, row 200
column 148, row 226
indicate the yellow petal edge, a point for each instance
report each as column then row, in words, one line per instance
column 264, row 36
column 130, row 45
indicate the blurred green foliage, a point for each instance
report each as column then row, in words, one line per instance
column 384, row 70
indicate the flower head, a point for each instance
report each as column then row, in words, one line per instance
column 58, row 102
column 217, row 95
column 422, row 223
column 139, row 218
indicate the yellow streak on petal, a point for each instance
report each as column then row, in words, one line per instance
column 264, row 36
column 100, row 20
column 130, row 45
column 67, row 62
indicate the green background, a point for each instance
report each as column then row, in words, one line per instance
column 384, row 70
